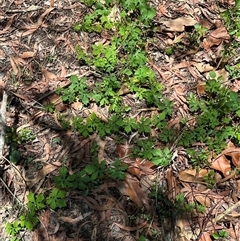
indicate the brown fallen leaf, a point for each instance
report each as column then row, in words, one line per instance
column 123, row 150
column 205, row 236
column 192, row 175
column 203, row 67
column 173, row 185
column 201, row 87
column 203, row 199
column 130, row 187
column 101, row 145
column 163, row 10
column 15, row 64
column 48, row 75
column 42, row 230
column 216, row 38
column 221, row 164
column 234, row 154
column 32, row 28
column 28, row 54
column 179, row 24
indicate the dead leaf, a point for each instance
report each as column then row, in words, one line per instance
column 63, row 72
column 15, row 64
column 138, row 167
column 131, row 188
column 180, row 90
column 101, row 145
column 95, row 110
column 42, row 230
column 205, row 236
column 163, row 10
column 203, row 199
column 51, row 3
column 181, row 65
column 77, row 105
column 201, row 87
column 32, row 28
column 221, row 164
column 173, row 185
column 234, row 153
column 123, row 150
column 216, row 38
column 42, row 173
column 179, row 24
column 48, row 75
column 192, row 175
column 202, row 67
column 26, row 55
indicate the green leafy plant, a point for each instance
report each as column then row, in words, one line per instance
column 13, row 229
column 117, row 170
column 24, row 135
column 91, row 176
column 77, row 89
column 209, row 179
column 35, row 203
column 28, row 219
column 220, row 235
column 14, row 154
column 231, row 18
column 56, row 199
column 233, row 70
column 215, row 113
column 49, row 107
column 198, row 34
column 146, row 149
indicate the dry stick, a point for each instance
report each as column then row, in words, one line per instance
column 13, row 195
column 226, row 212
column 3, row 123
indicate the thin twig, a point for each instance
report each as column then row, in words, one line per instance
column 13, row 195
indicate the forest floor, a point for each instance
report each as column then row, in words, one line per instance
column 38, row 54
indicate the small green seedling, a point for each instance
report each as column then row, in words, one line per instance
column 220, row 235
column 13, row 229
column 209, row 179
column 49, row 107
column 56, row 199
column 35, row 203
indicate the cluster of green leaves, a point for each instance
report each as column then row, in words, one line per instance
column 23, row 136
column 146, row 149
column 28, row 219
column 119, row 123
column 198, row 34
column 220, row 235
column 173, row 208
column 233, row 70
column 215, row 113
column 123, row 61
column 91, row 176
column 231, row 18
